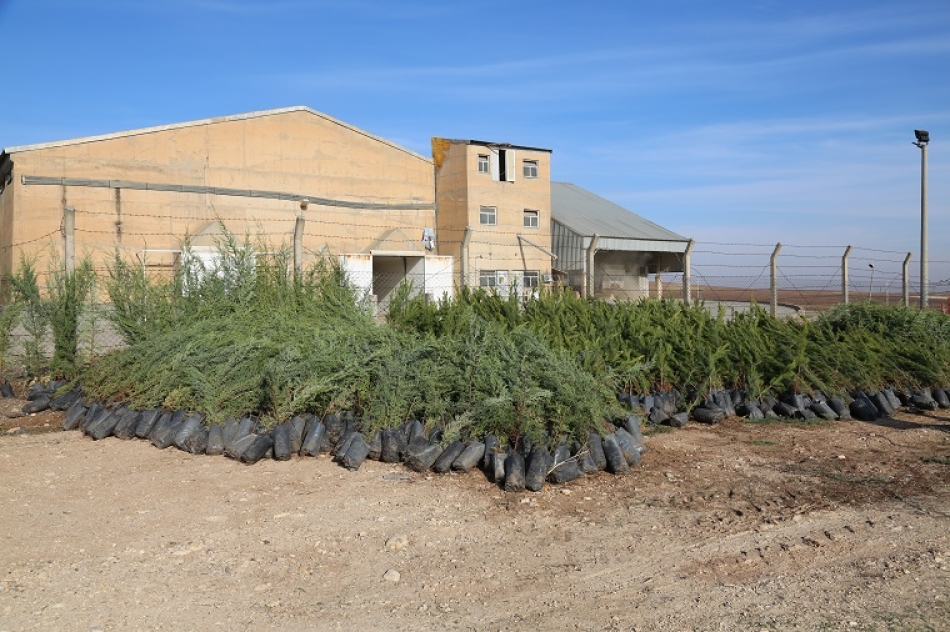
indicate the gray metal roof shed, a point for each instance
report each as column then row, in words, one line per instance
column 587, row 214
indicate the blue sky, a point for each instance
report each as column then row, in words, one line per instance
column 731, row 122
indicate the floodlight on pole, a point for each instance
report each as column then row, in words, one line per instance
column 871, row 284
column 923, row 138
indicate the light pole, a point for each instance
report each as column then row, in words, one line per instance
column 923, row 137
column 871, row 284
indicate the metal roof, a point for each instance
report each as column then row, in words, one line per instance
column 209, row 121
column 588, row 214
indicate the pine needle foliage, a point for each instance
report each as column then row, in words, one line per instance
column 665, row 344
column 249, row 336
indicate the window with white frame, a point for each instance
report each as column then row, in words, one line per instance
column 530, row 169
column 530, row 218
column 488, row 216
column 488, row 278
column 531, row 279
column 484, row 166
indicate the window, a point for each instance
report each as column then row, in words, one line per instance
column 530, row 169
column 531, row 279
column 501, row 165
column 483, row 164
column 487, row 215
column 488, row 278
column 530, row 218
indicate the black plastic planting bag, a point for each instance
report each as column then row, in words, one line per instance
column 881, row 402
column 197, row 441
column 393, row 446
column 863, row 410
column 236, row 448
column 940, row 396
column 92, row 413
column 375, row 445
column 565, row 471
column 709, row 416
column 841, row 409
column 628, row 446
column 73, row 416
column 297, row 425
column 823, row 410
column 215, row 445
column 498, row 466
column 245, row 427
column 164, row 436
column 892, row 398
column 37, row 390
column 65, row 400
column 922, row 399
column 537, row 469
column 6, row 390
column 413, row 428
column 749, row 410
column 283, row 446
column 344, row 445
column 491, row 442
column 229, row 430
column 445, row 460
column 103, row 427
column 313, row 442
column 632, row 425
column 125, row 429
column 37, row 405
column 596, row 447
column 514, row 472
column 90, row 424
column 189, row 426
column 334, row 429
column 616, row 463
column 422, row 460
column 469, row 457
column 259, row 446
column 146, row 422
column 356, row 452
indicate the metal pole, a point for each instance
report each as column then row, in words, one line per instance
column 773, row 306
column 687, row 272
column 906, row 281
column 924, row 281
column 69, row 236
column 844, row 275
column 871, row 284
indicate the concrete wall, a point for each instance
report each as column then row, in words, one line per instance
column 293, row 151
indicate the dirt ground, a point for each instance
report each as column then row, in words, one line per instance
column 742, row 526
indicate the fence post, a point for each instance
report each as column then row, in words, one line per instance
column 463, row 257
column 589, row 272
column 69, row 235
column 298, row 245
column 773, row 278
column 298, row 237
column 906, row 281
column 844, row 275
column 687, row 272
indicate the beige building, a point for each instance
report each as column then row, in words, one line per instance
column 360, row 196
column 494, row 212
column 476, row 214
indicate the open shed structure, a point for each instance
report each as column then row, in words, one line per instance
column 604, row 250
